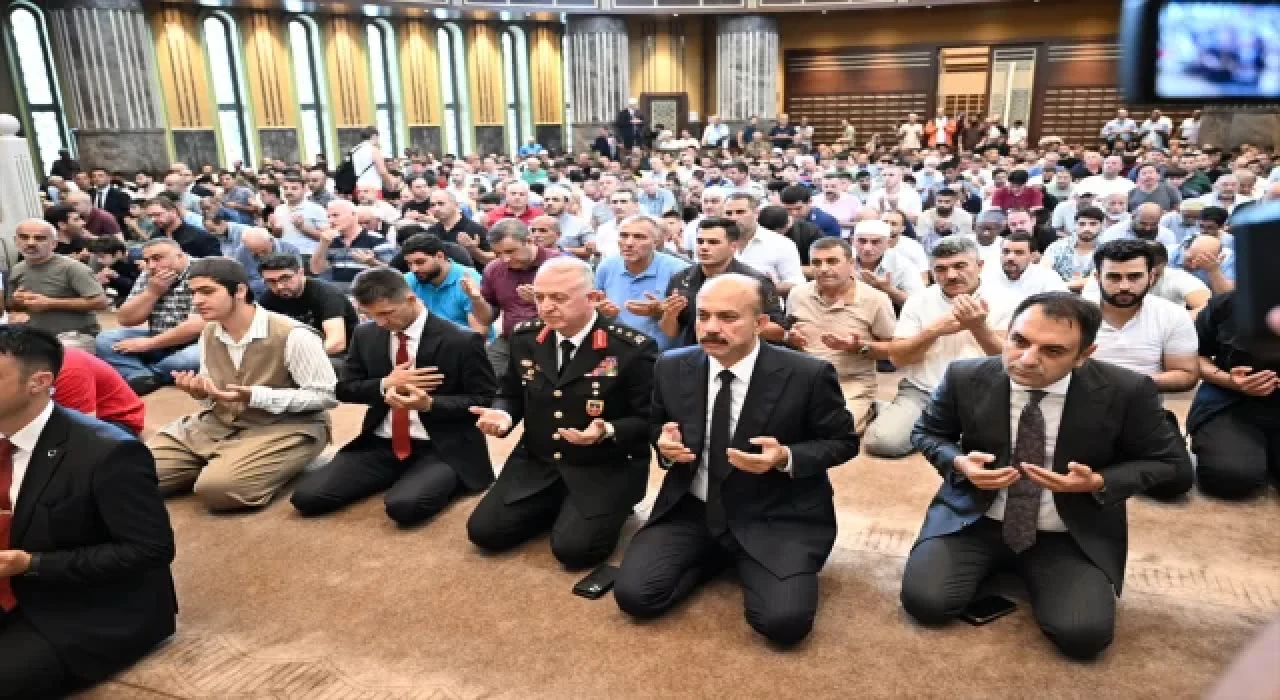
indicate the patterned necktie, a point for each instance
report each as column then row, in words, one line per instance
column 400, row 444
column 1022, row 509
column 718, row 452
column 7, row 600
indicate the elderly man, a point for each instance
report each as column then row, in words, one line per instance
column 98, row 222
column 515, row 206
column 1226, row 194
column 986, row 232
column 346, row 248
column 1184, row 223
column 256, row 245
column 883, row 268
column 654, row 199
column 574, row 235
column 716, row 134
column 55, row 293
column 506, row 287
column 1144, row 224
column 636, row 278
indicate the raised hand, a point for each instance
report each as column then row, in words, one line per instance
column 594, row 433
column 970, row 313
column 671, row 445
column 649, row 306
column 492, row 421
column 191, row 383
column 409, row 398
column 1078, row 479
column 427, row 379
column 843, row 342
column 1246, row 381
column 974, row 468
column 772, row 456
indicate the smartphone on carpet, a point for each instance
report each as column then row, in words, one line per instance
column 596, row 583
column 987, row 609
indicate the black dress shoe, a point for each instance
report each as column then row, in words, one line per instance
column 143, row 385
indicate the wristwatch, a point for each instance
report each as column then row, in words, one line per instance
column 865, row 349
column 609, row 433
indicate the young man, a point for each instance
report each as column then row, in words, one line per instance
column 1017, row 277
column 767, row 251
column 420, row 375
column 55, row 293
column 169, row 224
column 297, row 220
column 1038, row 452
column 85, row 587
column 115, row 270
column 452, row 226
column 443, row 286
column 264, row 386
column 309, row 301
column 1072, row 257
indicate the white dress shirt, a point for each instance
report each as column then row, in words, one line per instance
column 774, row 255
column 742, row 370
column 24, row 442
column 304, row 357
column 1051, row 406
column 417, row 431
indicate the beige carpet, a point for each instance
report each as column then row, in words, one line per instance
column 350, row 607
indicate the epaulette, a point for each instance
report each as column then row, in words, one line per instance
column 533, row 324
column 631, row 336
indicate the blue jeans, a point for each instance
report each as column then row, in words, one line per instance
column 157, row 363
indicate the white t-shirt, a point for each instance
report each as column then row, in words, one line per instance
column 906, row 200
column 362, row 160
column 1034, row 280
column 910, row 135
column 922, row 309
column 606, row 239
column 1160, row 328
column 911, row 249
column 1103, row 188
column 1174, row 285
column 774, row 255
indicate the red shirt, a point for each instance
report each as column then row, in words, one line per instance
column 101, row 223
column 91, row 386
column 1029, row 198
column 502, row 212
column 500, row 283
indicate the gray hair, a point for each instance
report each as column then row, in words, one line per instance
column 953, row 245
column 752, row 200
column 152, row 242
column 565, row 262
column 557, row 189
column 509, row 228
column 655, row 227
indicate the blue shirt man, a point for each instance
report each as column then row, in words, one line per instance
column 620, row 285
column 438, row 281
column 825, row 222
column 797, row 198
column 656, row 204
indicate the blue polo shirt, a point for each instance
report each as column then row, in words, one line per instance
column 825, row 222
column 447, row 301
column 620, row 286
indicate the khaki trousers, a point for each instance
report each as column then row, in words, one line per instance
column 232, row 469
column 860, row 401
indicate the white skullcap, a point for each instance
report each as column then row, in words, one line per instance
column 874, row 227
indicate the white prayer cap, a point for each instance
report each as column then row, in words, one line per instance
column 873, row 227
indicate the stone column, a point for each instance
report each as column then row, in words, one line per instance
column 19, row 198
column 109, row 83
column 746, row 69
column 598, row 65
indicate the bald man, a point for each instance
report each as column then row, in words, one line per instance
column 346, row 248
column 98, row 222
column 1144, row 224
column 53, row 292
column 256, row 245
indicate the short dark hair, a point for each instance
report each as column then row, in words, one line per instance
column 1124, row 250
column 225, row 272
column 427, row 243
column 1021, row 237
column 773, row 217
column 829, row 242
column 1217, row 215
column 368, row 132
column 104, row 245
column 729, row 226
column 796, row 194
column 35, row 349
column 1018, row 177
column 1067, row 306
column 280, row 261
column 379, row 284
column 59, row 214
column 1091, row 213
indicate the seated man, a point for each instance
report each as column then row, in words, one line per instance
column 956, row 318
column 1017, row 277
column 256, row 245
column 1234, row 421
column 419, row 443
column 881, row 267
column 635, row 279
column 161, row 298
column 582, row 385
column 1038, row 453
column 264, row 385
column 53, row 292
column 85, row 542
column 843, row 320
column 747, row 432
column 346, row 248
column 445, row 287
column 1170, row 283
column 92, row 387
column 309, row 301
column 116, row 272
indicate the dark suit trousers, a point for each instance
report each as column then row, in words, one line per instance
column 666, row 561
column 29, row 666
column 577, row 542
column 1072, row 600
column 1235, row 450
column 416, row 488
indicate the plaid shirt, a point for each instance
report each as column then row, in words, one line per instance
column 170, row 310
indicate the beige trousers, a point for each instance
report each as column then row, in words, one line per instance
column 860, row 406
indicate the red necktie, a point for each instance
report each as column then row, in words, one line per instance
column 7, row 600
column 400, row 417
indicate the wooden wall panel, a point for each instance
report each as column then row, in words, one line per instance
column 484, row 67
column 546, row 74
column 420, row 64
column 874, row 90
column 269, row 70
column 347, row 62
column 184, row 73
column 666, row 56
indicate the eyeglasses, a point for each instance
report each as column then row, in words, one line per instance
column 620, row 201
column 535, row 229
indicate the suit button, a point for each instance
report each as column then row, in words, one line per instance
column 556, row 456
column 559, row 415
column 555, row 436
column 557, row 393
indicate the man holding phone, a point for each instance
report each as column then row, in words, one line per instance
column 1038, row 451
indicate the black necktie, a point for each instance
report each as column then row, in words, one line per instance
column 718, row 466
column 566, row 354
column 1022, row 509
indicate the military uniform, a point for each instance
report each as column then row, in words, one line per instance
column 584, row 494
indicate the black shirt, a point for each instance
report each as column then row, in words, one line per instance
column 803, row 234
column 688, row 282
column 421, row 207
column 472, row 228
column 194, row 242
column 319, row 302
column 70, row 248
column 787, row 130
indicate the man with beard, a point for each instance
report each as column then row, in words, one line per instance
column 445, row 287
column 452, row 226
column 310, row 301
column 987, row 229
column 1143, row 225
column 881, row 267
column 1171, row 283
column 1072, row 257
column 943, row 219
column 1144, row 333
column 956, row 318
column 1018, row 278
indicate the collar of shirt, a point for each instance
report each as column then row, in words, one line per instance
column 257, row 329
column 578, row 338
column 1058, row 388
column 26, row 438
column 741, row 369
column 414, row 331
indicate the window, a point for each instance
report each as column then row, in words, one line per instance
column 386, row 84
column 37, row 83
column 515, row 76
column 453, row 88
column 308, row 73
column 220, row 43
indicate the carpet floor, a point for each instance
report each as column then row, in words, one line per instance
column 275, row 607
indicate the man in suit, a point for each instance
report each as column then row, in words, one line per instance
column 630, row 125
column 582, row 385
column 108, row 197
column 1038, row 451
column 418, row 442
column 747, row 432
column 85, row 542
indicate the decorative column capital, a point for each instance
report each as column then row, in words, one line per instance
column 94, row 4
column 598, row 24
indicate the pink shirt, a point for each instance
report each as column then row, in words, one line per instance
column 844, row 208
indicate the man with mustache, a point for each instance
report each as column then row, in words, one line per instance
column 1017, row 277
column 1144, row 225
column 746, row 432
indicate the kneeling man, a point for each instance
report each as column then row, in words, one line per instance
column 747, row 432
column 1038, row 452
column 264, row 386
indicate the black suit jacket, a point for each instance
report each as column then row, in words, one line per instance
column 630, row 135
column 117, row 203
column 604, row 478
column 1112, row 422
column 469, row 381
column 91, row 513
column 785, row 522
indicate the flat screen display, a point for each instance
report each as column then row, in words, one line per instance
column 1218, row 50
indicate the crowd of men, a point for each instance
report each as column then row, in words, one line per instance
column 734, row 309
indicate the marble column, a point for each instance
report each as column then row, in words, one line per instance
column 1228, row 126
column 746, row 69
column 109, row 83
column 598, row 70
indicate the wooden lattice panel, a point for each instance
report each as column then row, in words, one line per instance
column 879, row 113
column 972, row 105
column 1077, row 113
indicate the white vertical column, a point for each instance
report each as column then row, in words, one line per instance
column 746, row 67
column 19, row 198
column 599, row 56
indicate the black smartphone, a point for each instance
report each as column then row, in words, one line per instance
column 984, row 610
column 596, row 583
